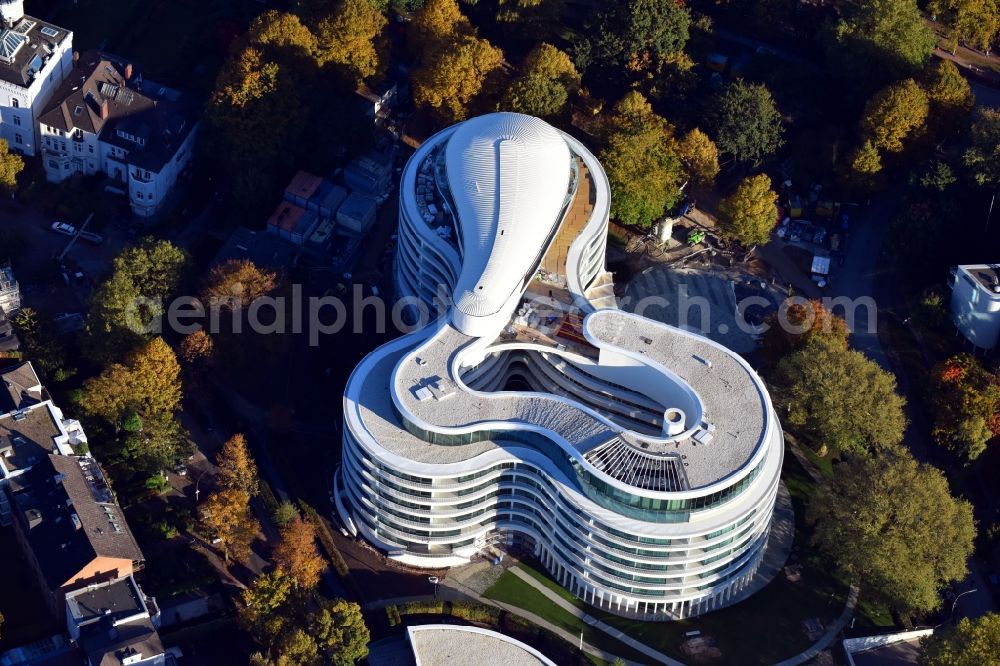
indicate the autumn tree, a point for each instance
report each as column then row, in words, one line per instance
column 437, row 24
column 972, row 642
column 982, row 157
column 892, row 525
column 11, row 164
column 238, row 281
column 123, row 310
column 451, row 80
column 135, row 403
column 975, row 21
column 227, row 516
column 949, row 94
column 148, row 382
column 545, row 87
column 352, row 38
column 236, row 467
column 256, row 111
column 867, row 160
column 699, row 156
column 893, row 115
column 747, row 122
column 966, row 400
column 640, row 35
column 749, row 214
column 641, row 162
column 818, row 389
column 881, row 40
column 296, row 553
column 796, row 324
column 196, row 351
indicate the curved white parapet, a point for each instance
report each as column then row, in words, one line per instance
column 638, row 461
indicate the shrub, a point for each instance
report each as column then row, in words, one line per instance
column 392, row 612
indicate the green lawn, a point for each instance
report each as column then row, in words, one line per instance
column 512, row 590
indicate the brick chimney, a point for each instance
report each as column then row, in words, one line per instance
column 128, row 72
column 104, row 109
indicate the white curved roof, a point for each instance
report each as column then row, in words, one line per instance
column 509, row 175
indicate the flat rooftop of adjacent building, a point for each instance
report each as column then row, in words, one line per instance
column 26, row 48
column 118, row 600
column 445, row 645
column 987, row 275
column 903, row 653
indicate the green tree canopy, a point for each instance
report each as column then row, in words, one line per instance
column 936, row 175
column 818, row 387
column 893, row 525
column 545, row 86
column 281, row 618
column 970, row 643
column 548, row 61
column 639, row 35
column 536, row 96
column 894, row 113
column 747, row 122
column 983, row 154
column 122, row 309
column 749, row 214
column 340, row 628
column 882, row 40
column 352, row 38
column 11, row 164
column 641, row 162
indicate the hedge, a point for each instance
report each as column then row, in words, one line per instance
column 465, row 610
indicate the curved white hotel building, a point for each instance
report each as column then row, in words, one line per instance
column 639, row 462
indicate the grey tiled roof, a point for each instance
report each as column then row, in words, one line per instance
column 56, row 490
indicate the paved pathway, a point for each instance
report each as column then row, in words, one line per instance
column 591, row 621
column 830, row 635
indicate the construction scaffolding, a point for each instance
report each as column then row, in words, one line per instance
column 10, row 294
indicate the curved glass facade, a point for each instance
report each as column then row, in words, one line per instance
column 644, row 554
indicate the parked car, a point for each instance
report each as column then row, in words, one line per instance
column 64, row 229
